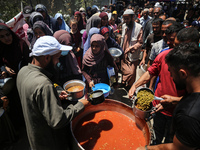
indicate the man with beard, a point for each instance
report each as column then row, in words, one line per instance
column 184, row 67
column 131, row 43
column 47, row 123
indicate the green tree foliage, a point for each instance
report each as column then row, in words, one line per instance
column 10, row 9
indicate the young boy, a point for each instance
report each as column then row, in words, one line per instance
column 76, row 41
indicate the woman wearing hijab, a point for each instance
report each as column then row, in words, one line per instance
column 61, row 22
column 92, row 31
column 14, row 54
column 13, row 50
column 69, row 68
column 96, row 60
column 88, row 12
column 84, row 18
column 40, row 29
column 51, row 22
column 35, row 16
column 79, row 18
column 94, row 21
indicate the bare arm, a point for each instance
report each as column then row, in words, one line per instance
column 142, row 80
column 143, row 57
column 152, row 81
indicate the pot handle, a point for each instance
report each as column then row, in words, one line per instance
column 133, row 99
column 152, row 115
column 89, row 98
column 68, row 95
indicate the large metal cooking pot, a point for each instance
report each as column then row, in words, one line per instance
column 111, row 105
column 74, row 95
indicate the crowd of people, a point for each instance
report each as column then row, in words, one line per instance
column 164, row 36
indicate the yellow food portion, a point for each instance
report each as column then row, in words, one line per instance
column 145, row 98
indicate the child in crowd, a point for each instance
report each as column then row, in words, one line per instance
column 119, row 29
column 118, row 38
column 76, row 41
column 112, row 24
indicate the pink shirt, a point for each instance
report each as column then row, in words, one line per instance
column 166, row 84
column 25, row 27
column 114, row 27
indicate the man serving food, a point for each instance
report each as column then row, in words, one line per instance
column 47, row 123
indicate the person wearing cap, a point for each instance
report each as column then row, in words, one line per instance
column 117, row 19
column 131, row 43
column 196, row 24
column 82, row 9
column 50, row 21
column 47, row 122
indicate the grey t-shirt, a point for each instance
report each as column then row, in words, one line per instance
column 157, row 48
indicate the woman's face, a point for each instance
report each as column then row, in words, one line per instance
column 38, row 32
column 104, row 21
column 84, row 17
column 6, row 37
column 96, row 47
column 59, row 21
column 77, row 17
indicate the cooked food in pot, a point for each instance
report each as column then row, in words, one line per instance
column 75, row 88
column 144, row 99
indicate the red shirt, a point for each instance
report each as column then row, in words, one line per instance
column 166, row 84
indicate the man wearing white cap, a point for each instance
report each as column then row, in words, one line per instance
column 47, row 123
column 131, row 43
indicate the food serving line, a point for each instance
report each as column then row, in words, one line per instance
column 108, row 119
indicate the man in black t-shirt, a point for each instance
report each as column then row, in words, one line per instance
column 184, row 67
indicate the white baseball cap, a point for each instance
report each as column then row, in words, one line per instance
column 48, row 45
